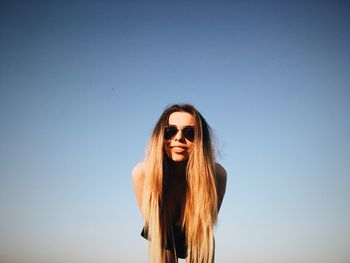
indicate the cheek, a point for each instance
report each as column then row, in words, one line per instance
column 166, row 148
column 190, row 148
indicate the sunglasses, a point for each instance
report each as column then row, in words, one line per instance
column 171, row 130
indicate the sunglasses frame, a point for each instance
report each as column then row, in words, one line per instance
column 183, row 131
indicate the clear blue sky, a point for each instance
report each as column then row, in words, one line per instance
column 82, row 84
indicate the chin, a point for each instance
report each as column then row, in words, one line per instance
column 179, row 158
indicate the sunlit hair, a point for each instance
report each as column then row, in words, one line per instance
column 201, row 206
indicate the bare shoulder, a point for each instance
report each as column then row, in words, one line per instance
column 138, row 178
column 138, row 172
column 221, row 174
column 221, row 179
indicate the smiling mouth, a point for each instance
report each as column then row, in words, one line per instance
column 178, row 149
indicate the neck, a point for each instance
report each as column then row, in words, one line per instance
column 180, row 167
column 178, row 172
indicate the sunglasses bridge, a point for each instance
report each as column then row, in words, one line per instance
column 172, row 130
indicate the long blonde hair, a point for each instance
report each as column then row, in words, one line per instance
column 201, row 205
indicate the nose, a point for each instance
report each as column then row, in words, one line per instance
column 179, row 137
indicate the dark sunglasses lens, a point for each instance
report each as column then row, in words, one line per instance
column 170, row 132
column 188, row 132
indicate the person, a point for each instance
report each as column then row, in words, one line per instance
column 179, row 188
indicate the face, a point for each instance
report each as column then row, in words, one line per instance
column 178, row 148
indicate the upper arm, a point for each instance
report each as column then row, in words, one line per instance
column 221, row 179
column 138, row 178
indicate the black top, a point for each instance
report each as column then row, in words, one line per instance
column 179, row 240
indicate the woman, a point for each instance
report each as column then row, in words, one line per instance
column 179, row 188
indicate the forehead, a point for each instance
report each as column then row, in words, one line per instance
column 181, row 118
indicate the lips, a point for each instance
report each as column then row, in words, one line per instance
column 178, row 149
